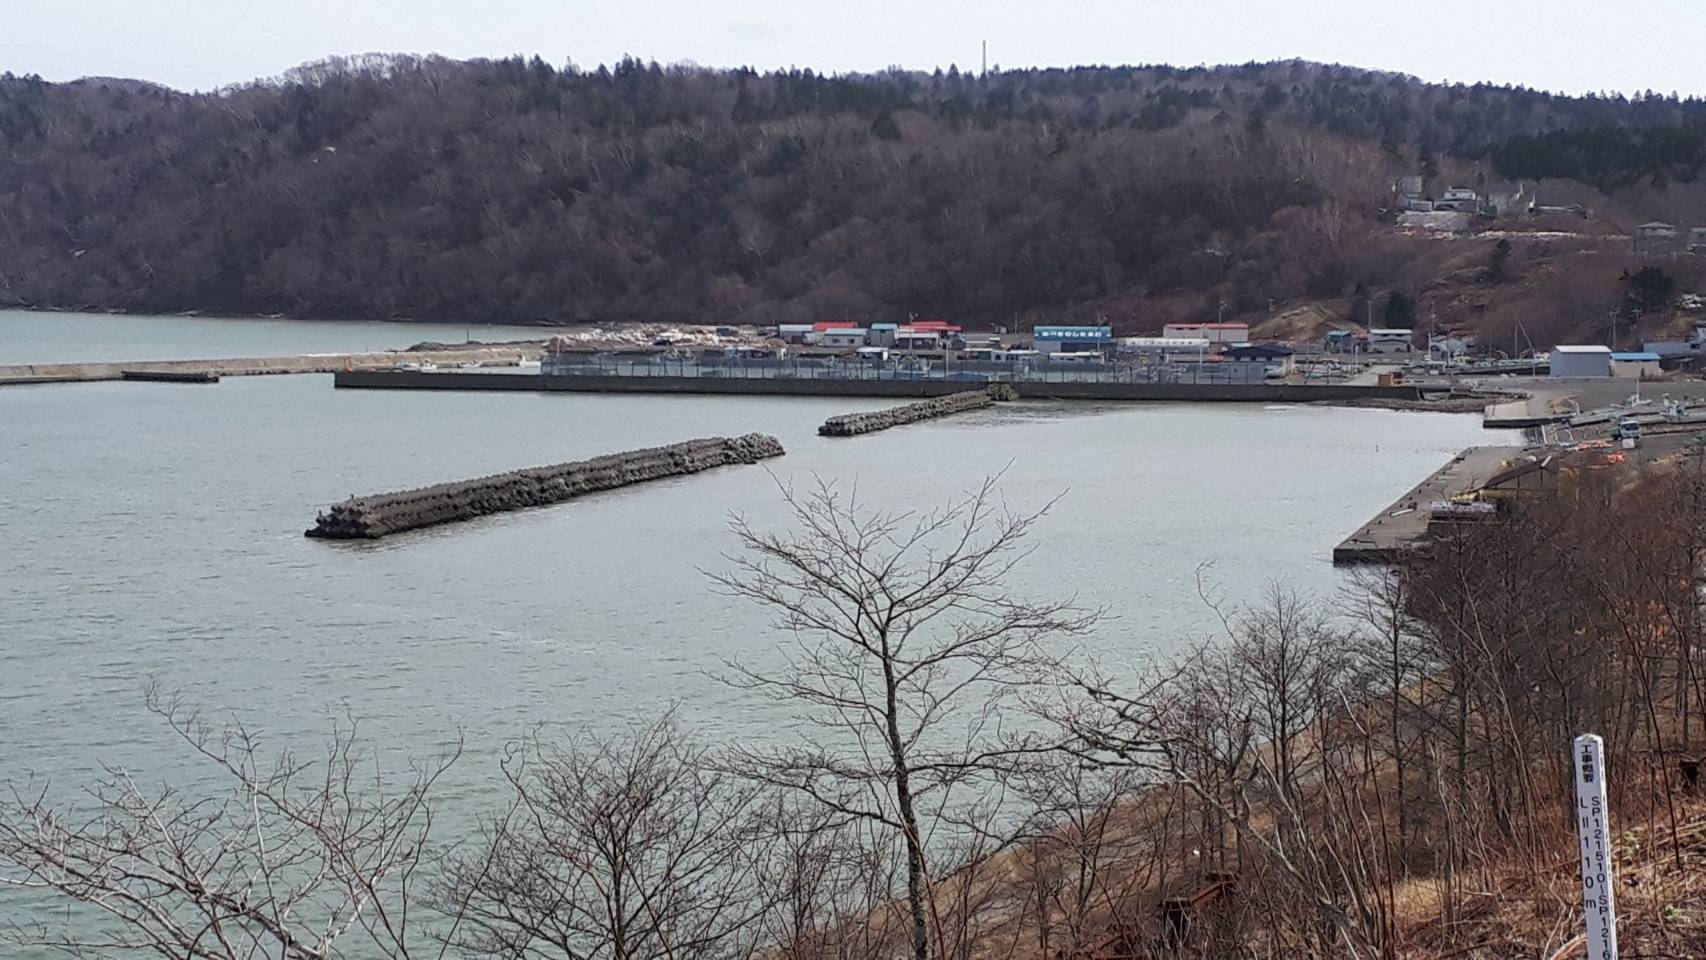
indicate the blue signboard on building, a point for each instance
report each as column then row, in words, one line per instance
column 1092, row 334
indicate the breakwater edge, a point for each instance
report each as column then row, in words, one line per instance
column 854, row 424
column 372, row 517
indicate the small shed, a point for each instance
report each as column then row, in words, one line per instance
column 1639, row 366
column 1581, row 360
column 844, row 337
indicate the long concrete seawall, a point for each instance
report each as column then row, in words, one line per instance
column 368, row 518
column 787, row 387
column 854, row 424
column 35, row 373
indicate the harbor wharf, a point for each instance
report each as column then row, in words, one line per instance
column 1404, row 524
column 1064, row 389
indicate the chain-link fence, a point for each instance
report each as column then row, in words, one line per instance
column 971, row 373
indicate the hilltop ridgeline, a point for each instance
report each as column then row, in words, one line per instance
column 515, row 191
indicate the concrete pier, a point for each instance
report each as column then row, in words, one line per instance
column 1405, row 523
column 368, row 518
column 38, row 373
column 1531, row 411
column 854, row 424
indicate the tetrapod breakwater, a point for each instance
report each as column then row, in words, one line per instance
column 368, row 518
column 854, row 424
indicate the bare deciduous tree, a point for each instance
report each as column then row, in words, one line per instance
column 906, row 645
column 629, row 848
column 299, row 859
column 829, row 883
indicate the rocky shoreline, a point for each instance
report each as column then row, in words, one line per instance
column 368, row 518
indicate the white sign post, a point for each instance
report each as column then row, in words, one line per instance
column 1593, row 826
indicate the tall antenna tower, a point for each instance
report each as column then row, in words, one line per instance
column 985, row 72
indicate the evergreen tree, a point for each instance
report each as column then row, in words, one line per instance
column 884, row 127
column 1400, row 311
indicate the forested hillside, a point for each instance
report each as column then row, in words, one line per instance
column 516, row 191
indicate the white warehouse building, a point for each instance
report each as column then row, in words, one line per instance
column 1581, row 360
column 1165, row 349
column 1389, row 340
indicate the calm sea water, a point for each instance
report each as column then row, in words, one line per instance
column 29, row 337
column 154, row 532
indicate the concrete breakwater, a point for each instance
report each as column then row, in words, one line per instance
column 853, row 424
column 368, row 518
column 260, row 366
column 909, row 389
column 170, row 376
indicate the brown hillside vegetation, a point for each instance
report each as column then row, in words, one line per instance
column 398, row 186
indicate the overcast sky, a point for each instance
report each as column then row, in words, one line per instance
column 1567, row 45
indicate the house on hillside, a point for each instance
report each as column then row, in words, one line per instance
column 1459, row 200
column 1408, row 193
column 1655, row 238
column 1508, row 200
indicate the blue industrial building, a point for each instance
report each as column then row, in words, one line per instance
column 1050, row 340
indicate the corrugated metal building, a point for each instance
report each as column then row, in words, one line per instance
column 1581, row 360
